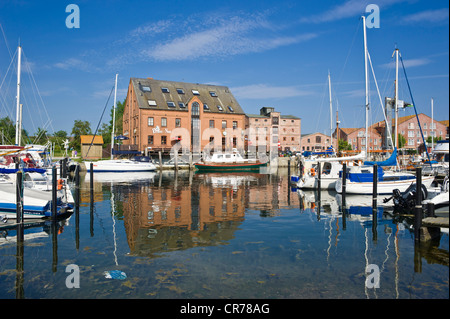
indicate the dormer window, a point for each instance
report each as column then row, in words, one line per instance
column 165, row 90
column 230, row 108
column 195, row 92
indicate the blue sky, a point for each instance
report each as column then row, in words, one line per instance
column 269, row 53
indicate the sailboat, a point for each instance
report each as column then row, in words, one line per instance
column 329, row 166
column 360, row 179
column 37, row 195
column 120, row 165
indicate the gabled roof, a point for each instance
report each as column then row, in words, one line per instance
column 159, row 93
column 87, row 139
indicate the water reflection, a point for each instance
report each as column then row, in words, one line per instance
column 223, row 235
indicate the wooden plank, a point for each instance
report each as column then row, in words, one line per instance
column 435, row 222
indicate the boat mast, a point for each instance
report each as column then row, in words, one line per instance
column 396, row 98
column 432, row 126
column 18, row 122
column 331, row 111
column 367, row 85
column 114, row 116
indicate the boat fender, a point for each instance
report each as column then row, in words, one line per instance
column 60, row 184
column 313, row 172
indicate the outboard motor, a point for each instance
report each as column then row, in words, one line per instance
column 407, row 201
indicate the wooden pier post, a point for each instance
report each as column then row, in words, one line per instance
column 160, row 160
column 319, row 173
column 374, row 202
column 19, row 197
column 54, row 194
column 344, row 183
column 418, row 208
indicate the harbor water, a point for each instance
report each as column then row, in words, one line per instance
column 220, row 235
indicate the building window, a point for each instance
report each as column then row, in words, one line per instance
column 195, row 92
column 150, row 121
column 211, row 123
column 177, row 122
column 180, row 91
column 163, row 140
column 195, row 109
column 284, row 139
column 230, row 108
column 410, row 133
column 275, row 120
column 151, row 102
column 205, row 106
column 150, row 140
column 410, row 141
column 220, row 108
column 170, row 104
column 165, row 90
column 213, row 93
column 163, row 122
column 182, row 105
column 318, row 139
column 424, row 125
column 224, row 124
column 234, row 125
column 411, row 126
column 293, row 139
column 146, row 89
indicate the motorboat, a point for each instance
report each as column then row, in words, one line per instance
column 329, row 171
column 228, row 161
column 139, row 164
column 359, row 180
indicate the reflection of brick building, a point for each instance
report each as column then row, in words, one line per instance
column 158, row 114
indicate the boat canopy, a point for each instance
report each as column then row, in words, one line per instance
column 391, row 161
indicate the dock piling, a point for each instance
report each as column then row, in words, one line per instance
column 374, row 201
column 54, row 195
column 418, row 208
column 19, row 197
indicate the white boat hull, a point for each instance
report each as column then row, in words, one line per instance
column 383, row 187
column 309, row 182
column 120, row 166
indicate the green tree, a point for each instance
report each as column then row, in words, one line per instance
column 41, row 136
column 61, row 134
column 7, row 131
column 79, row 128
column 401, row 140
column 344, row 146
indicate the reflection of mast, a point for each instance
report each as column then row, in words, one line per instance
column 114, row 223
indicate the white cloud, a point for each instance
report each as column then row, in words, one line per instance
column 75, row 64
column 264, row 91
column 409, row 63
column 351, row 8
column 428, row 16
column 222, row 37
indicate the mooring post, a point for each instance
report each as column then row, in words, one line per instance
column 160, row 160
column 418, row 207
column 344, row 183
column 91, row 182
column 318, row 176
column 430, row 210
column 54, row 194
column 374, row 201
column 61, row 165
column 19, row 197
column 64, row 169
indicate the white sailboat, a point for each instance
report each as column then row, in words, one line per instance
column 119, row 165
column 360, row 179
column 37, row 195
column 329, row 166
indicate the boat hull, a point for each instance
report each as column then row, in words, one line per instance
column 111, row 166
column 228, row 166
column 383, row 187
column 309, row 182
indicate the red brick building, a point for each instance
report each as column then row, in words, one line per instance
column 158, row 114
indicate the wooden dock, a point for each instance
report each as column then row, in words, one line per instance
column 431, row 227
